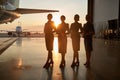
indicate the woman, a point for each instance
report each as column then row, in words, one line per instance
column 75, row 29
column 62, row 31
column 88, row 32
column 49, row 37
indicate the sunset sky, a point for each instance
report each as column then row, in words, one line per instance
column 32, row 22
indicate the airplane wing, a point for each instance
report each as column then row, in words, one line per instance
column 30, row 11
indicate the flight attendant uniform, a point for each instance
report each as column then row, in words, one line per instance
column 49, row 37
column 75, row 35
column 62, row 38
column 87, row 29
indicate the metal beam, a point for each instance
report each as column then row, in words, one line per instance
column 119, row 10
column 91, row 9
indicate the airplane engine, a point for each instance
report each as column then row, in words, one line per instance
column 6, row 17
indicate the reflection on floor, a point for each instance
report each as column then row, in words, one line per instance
column 24, row 60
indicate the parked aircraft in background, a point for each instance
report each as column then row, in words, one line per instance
column 18, row 32
column 9, row 11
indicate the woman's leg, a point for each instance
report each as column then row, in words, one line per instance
column 49, row 59
column 74, row 60
column 77, row 58
column 88, row 57
column 63, row 60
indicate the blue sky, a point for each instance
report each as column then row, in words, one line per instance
column 36, row 21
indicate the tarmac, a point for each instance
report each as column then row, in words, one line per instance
column 105, row 65
column 6, row 42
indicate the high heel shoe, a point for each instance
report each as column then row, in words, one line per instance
column 73, row 64
column 46, row 65
column 51, row 63
column 77, row 63
column 62, row 65
column 87, row 65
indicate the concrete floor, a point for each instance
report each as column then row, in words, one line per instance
column 24, row 60
column 106, row 59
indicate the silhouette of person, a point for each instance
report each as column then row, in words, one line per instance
column 62, row 31
column 88, row 32
column 75, row 29
column 49, row 29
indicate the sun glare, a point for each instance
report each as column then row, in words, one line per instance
column 55, row 45
column 56, row 19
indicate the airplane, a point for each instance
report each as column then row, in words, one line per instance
column 19, row 32
column 9, row 11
